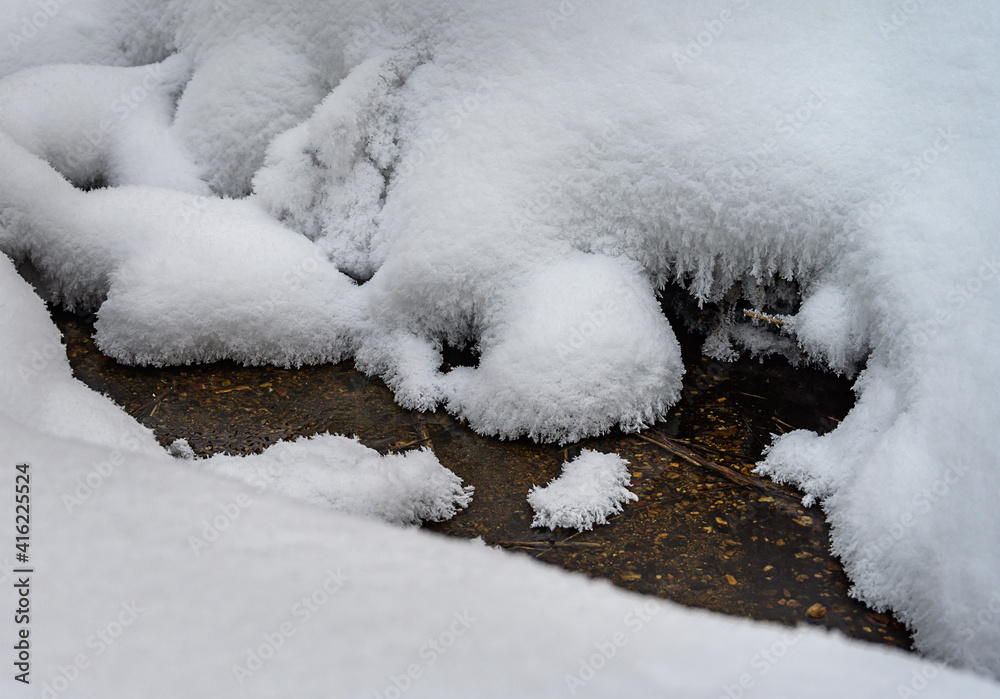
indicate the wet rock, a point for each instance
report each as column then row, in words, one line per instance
column 816, row 611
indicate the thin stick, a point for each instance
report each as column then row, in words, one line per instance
column 685, row 454
column 761, row 316
column 548, row 544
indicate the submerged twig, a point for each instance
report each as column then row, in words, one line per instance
column 422, row 440
column 547, row 544
column 728, row 473
column 782, row 422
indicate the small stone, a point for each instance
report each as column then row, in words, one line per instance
column 730, row 579
column 817, row 611
column 880, row 619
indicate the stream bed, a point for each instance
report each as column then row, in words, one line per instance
column 705, row 531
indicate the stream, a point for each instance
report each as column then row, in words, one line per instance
column 705, row 531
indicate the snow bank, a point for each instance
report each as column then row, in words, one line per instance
column 591, row 488
column 100, row 124
column 347, row 476
column 906, row 480
column 178, row 277
column 36, row 383
column 498, row 173
column 144, row 563
column 257, row 596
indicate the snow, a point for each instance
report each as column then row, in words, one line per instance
column 242, row 96
column 287, row 598
column 144, row 563
column 94, row 123
column 179, row 277
column 349, row 477
column 587, row 316
column 591, row 488
column 522, row 180
column 181, row 449
column 38, row 385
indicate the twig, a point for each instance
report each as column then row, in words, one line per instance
column 692, row 458
column 761, row 316
column 154, row 401
column 695, row 447
column 410, row 444
column 746, row 421
column 548, row 544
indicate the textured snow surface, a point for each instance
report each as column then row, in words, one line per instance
column 100, row 123
column 344, row 474
column 591, row 488
column 521, row 178
column 146, row 563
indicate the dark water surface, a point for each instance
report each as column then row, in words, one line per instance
column 705, row 532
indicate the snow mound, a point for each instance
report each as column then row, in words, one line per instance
column 177, row 277
column 591, row 488
column 346, row 476
column 495, row 173
column 102, row 124
column 580, row 347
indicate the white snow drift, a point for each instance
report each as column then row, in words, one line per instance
column 497, row 174
column 145, row 564
column 100, row 123
column 344, row 474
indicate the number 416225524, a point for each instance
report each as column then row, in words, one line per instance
column 22, row 512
